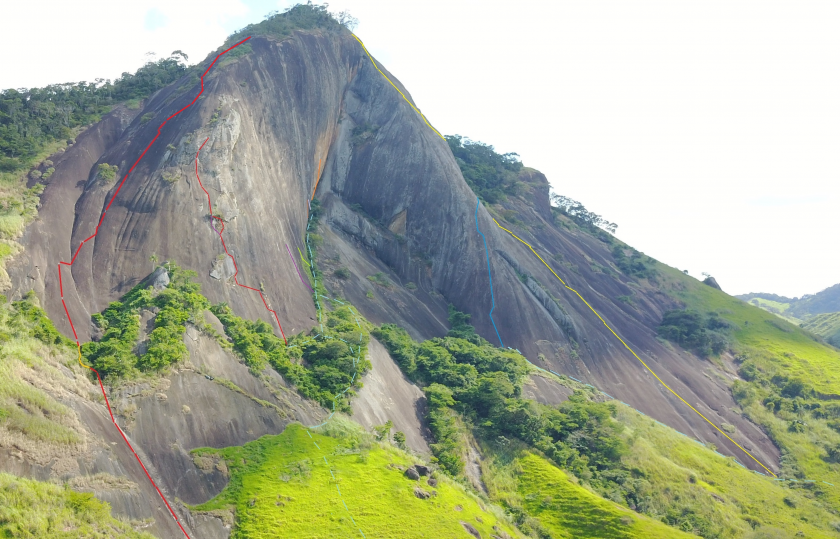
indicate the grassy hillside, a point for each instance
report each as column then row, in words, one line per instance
column 336, row 481
column 675, row 480
column 555, row 504
column 754, row 330
column 604, row 470
column 35, row 509
column 789, row 383
column 715, row 493
column 826, row 326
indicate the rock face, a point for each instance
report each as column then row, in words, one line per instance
column 711, row 281
column 311, row 114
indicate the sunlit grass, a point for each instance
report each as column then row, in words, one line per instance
column 36, row 509
column 281, row 486
column 693, row 474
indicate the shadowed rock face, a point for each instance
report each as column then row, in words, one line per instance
column 280, row 120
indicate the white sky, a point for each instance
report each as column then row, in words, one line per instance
column 709, row 131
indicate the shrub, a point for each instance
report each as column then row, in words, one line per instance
column 106, row 172
column 342, row 273
column 379, row 279
column 634, row 264
column 691, row 331
column 399, row 439
column 489, row 174
column 169, row 178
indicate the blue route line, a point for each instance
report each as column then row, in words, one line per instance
column 487, row 253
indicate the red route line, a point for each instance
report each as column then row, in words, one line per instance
column 219, row 232
column 96, row 231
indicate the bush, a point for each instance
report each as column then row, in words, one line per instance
column 691, row 331
column 489, row 174
column 332, row 362
column 106, row 172
column 342, row 273
column 634, row 264
column 380, row 279
column 113, row 356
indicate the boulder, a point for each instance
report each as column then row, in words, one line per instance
column 471, row 529
column 422, row 470
column 411, row 473
column 422, row 494
column 159, row 278
column 710, row 281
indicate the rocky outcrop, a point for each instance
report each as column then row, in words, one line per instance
column 278, row 122
column 386, row 395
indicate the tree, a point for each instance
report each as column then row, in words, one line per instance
column 383, row 431
column 399, row 439
column 347, row 20
column 580, row 214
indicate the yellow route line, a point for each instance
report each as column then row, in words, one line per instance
column 395, row 87
column 301, row 258
column 79, row 347
column 634, row 353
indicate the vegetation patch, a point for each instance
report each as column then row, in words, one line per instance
column 363, row 133
column 379, row 279
column 25, row 333
column 280, row 25
column 464, row 375
column 633, row 263
column 294, row 485
column 491, row 176
column 115, row 355
column 547, row 502
column 703, row 335
column 325, row 364
column 35, row 509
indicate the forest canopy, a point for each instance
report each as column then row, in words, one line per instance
column 33, row 118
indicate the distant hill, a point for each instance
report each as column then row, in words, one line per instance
column 827, row 301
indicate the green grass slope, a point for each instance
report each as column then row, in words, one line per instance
column 297, row 484
column 674, row 480
column 759, row 331
column 719, row 497
column 556, row 504
column 36, row 509
column 790, row 382
column 826, row 326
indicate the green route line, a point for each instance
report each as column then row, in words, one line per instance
column 356, row 362
column 634, row 353
column 410, row 104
